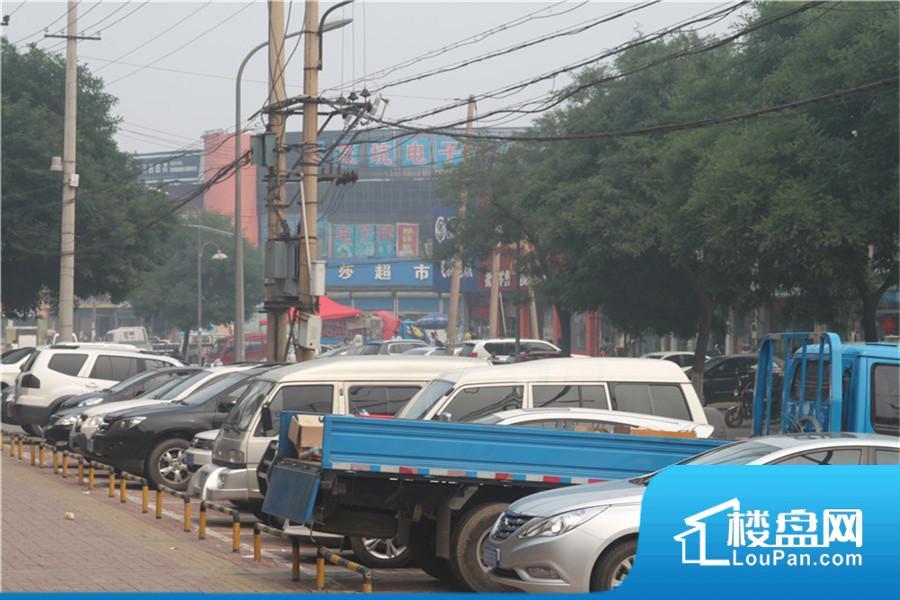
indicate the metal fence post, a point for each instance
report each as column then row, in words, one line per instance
column 21, row 448
column 112, row 483
column 123, row 490
column 55, row 461
column 80, row 471
column 257, row 543
column 91, row 472
column 202, row 527
column 320, row 571
column 235, row 532
column 32, row 453
column 41, row 456
column 159, row 502
column 145, row 498
column 187, row 513
column 65, row 464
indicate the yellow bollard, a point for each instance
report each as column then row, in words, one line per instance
column 32, row 453
column 367, row 586
column 12, row 447
column 65, row 464
column 41, row 456
column 236, row 536
column 257, row 545
column 295, row 562
column 123, row 490
column 145, row 499
column 187, row 514
column 112, row 484
column 21, row 449
column 202, row 529
column 91, row 478
column 320, row 573
column 159, row 501
column 55, row 461
column 80, row 472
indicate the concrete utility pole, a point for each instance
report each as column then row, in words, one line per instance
column 309, row 250
column 457, row 261
column 493, row 325
column 67, row 246
column 276, row 327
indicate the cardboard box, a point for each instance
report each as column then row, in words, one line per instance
column 306, row 432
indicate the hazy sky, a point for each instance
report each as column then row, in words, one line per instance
column 195, row 49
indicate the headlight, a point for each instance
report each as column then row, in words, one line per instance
column 90, row 402
column 93, row 421
column 67, row 420
column 561, row 523
column 236, row 457
column 123, row 424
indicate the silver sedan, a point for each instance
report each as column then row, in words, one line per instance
column 584, row 538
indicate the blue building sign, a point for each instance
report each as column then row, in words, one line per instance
column 442, row 225
column 378, row 273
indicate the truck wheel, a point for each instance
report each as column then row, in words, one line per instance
column 381, row 553
column 469, row 534
column 613, row 566
column 421, row 545
column 165, row 465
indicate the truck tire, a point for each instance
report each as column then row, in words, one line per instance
column 421, row 545
column 469, row 533
column 613, row 566
column 381, row 553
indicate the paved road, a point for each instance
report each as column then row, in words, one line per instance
column 110, row 546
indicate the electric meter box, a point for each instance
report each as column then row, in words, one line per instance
column 309, row 332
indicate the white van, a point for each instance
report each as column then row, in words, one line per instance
column 374, row 385
column 72, row 369
column 637, row 385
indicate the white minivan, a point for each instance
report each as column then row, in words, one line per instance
column 636, row 385
column 72, row 369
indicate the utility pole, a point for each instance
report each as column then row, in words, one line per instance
column 457, row 261
column 276, row 328
column 308, row 241
column 493, row 326
column 70, row 182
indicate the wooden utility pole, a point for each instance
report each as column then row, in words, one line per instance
column 276, row 327
column 308, row 242
column 453, row 313
column 493, row 325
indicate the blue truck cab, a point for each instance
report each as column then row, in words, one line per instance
column 827, row 385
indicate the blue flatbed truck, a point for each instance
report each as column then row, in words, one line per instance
column 437, row 485
column 433, row 484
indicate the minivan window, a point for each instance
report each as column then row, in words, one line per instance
column 580, row 396
column 424, row 400
column 473, row 402
column 14, row 356
column 665, row 400
column 886, row 399
column 67, row 364
column 242, row 414
column 379, row 399
column 317, row 399
column 30, row 362
column 115, row 368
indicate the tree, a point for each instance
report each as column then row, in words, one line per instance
column 113, row 245
column 169, row 291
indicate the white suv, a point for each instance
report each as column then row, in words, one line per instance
column 71, row 369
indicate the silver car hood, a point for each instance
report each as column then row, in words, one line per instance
column 553, row 502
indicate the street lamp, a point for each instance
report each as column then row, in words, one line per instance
column 238, row 246
column 219, row 256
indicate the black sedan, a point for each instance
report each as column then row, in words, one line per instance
column 151, row 441
column 69, row 411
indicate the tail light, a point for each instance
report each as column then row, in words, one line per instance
column 475, row 355
column 30, row 381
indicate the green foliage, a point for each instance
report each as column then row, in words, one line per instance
column 667, row 231
column 112, row 248
column 169, row 291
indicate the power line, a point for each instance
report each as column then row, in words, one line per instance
column 155, row 37
column 665, row 128
column 188, row 43
column 94, row 25
column 16, row 9
column 572, row 30
column 51, row 24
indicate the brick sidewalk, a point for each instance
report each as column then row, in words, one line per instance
column 113, row 547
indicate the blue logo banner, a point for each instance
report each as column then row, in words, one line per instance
column 777, row 530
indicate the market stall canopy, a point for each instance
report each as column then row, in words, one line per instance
column 391, row 323
column 433, row 321
column 330, row 310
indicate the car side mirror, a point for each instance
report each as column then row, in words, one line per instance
column 226, row 405
column 265, row 418
column 445, row 417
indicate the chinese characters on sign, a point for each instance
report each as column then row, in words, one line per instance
column 385, row 242
column 343, row 241
column 364, row 241
column 407, row 239
column 388, row 273
column 797, row 528
column 416, row 152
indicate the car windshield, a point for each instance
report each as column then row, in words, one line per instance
column 127, row 383
column 170, row 393
column 207, row 393
column 241, row 415
column 369, row 349
column 738, row 453
column 424, row 400
column 14, row 356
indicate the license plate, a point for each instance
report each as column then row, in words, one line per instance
column 189, row 459
column 490, row 557
column 202, row 475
